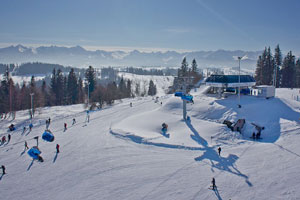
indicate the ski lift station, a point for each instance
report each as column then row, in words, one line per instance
column 230, row 83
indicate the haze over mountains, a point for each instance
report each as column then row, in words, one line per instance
column 79, row 57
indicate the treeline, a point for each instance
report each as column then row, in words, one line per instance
column 140, row 71
column 64, row 90
column 30, row 68
column 275, row 70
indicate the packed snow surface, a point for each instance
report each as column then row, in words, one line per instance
column 123, row 154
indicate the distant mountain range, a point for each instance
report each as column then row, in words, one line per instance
column 80, row 57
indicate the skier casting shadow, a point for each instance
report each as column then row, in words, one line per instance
column 216, row 161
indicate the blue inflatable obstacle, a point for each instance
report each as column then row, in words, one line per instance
column 187, row 97
column 48, row 136
column 178, row 94
column 34, row 152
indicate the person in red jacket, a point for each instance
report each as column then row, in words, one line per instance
column 57, row 148
column 65, row 125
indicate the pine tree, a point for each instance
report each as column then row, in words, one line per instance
column 152, row 88
column 265, row 68
column 288, row 71
column 122, row 89
column 90, row 76
column 80, row 91
column 128, row 88
column 194, row 66
column 277, row 64
column 258, row 71
column 44, row 94
column 5, row 103
column 53, row 87
column 183, row 71
column 297, row 76
column 72, row 87
column 59, row 87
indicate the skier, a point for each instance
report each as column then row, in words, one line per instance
column 9, row 137
column 24, row 129
column 47, row 124
column 65, row 126
column 30, row 126
column 74, row 121
column 3, row 139
column 49, row 120
column 3, row 169
column 219, row 151
column 25, row 145
column 213, row 182
column 87, row 116
column 37, row 140
column 57, row 148
column 164, row 128
column 130, row 104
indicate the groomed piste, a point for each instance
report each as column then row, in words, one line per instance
column 122, row 153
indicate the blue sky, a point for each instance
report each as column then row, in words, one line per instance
column 152, row 24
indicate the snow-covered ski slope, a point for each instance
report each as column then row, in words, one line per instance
column 121, row 153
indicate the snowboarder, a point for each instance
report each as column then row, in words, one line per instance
column 219, row 151
column 253, row 135
column 24, row 129
column 49, row 120
column 65, row 126
column 57, row 148
column 3, row 169
column 213, row 182
column 74, row 121
column 25, row 145
column 9, row 137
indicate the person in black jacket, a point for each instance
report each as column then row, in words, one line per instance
column 3, row 169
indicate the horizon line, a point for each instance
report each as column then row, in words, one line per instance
column 126, row 49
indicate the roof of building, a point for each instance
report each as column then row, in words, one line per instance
column 230, row 78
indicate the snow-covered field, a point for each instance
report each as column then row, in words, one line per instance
column 122, row 154
column 162, row 82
